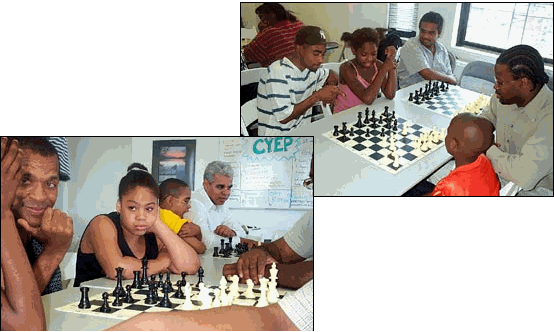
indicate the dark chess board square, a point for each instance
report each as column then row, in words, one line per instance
column 375, row 147
column 405, row 140
column 173, row 305
column 360, row 139
column 343, row 139
column 409, row 156
column 416, row 126
column 142, row 292
column 374, row 132
column 407, row 148
column 432, row 107
column 138, row 307
column 109, row 313
column 417, row 133
column 359, row 147
column 375, row 139
column 96, row 302
column 401, row 120
column 376, row 156
column 359, row 132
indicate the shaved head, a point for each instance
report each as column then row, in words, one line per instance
column 470, row 134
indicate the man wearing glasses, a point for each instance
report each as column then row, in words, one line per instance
column 291, row 253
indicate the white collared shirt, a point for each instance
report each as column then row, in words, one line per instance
column 208, row 216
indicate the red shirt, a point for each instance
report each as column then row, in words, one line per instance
column 475, row 179
column 273, row 43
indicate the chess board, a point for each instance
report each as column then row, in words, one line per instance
column 447, row 102
column 128, row 310
column 375, row 148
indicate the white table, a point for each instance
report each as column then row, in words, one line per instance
column 343, row 173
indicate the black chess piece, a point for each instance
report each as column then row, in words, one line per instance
column 416, row 95
column 380, row 119
column 136, row 280
column 420, row 91
column 84, row 303
column 222, row 250
column 442, row 86
column 179, row 293
column 231, row 243
column 359, row 124
column 344, row 129
column 128, row 297
column 367, row 132
column 366, row 120
column 200, row 276
column 373, row 116
column 155, row 296
column 118, row 302
column 168, row 282
column 165, row 299
column 411, row 98
column 150, row 295
column 382, row 132
column 160, row 279
column 386, row 111
column 144, row 279
column 183, row 281
column 351, row 131
column 447, row 85
column 394, row 127
column 335, row 133
column 105, row 306
column 216, row 249
column 119, row 287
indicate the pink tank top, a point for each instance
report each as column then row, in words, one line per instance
column 351, row 100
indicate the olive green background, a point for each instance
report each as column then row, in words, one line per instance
column 139, row 68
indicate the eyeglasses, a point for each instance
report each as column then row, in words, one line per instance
column 309, row 183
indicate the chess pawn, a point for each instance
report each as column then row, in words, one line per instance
column 249, row 294
column 216, row 303
column 187, row 305
column 405, row 129
column 262, row 302
column 396, row 162
column 272, row 294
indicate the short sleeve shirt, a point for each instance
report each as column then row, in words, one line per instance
column 281, row 87
column 415, row 57
column 300, row 237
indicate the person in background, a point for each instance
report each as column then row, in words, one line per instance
column 293, row 85
column 275, row 39
column 174, row 203
column 362, row 78
column 423, row 57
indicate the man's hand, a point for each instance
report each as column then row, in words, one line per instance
column 251, row 265
column 55, row 230
column 329, row 93
column 189, row 229
column 224, row 231
column 11, row 163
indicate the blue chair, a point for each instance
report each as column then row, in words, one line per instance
column 478, row 76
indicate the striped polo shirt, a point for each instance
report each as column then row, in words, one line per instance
column 273, row 43
column 281, row 87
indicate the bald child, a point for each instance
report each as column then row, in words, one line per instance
column 467, row 140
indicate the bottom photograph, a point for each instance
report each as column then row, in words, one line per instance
column 158, row 233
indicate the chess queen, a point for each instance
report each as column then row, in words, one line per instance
column 134, row 231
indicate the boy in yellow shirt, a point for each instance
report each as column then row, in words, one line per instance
column 174, row 203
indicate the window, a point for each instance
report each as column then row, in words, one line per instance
column 174, row 159
column 499, row 26
column 403, row 18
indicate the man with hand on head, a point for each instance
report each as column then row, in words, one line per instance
column 289, row 252
column 174, row 203
column 467, row 140
column 207, row 206
column 423, row 57
column 521, row 113
column 293, row 85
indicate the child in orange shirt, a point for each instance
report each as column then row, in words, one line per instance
column 467, row 140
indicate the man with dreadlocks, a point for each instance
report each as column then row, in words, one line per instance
column 521, row 113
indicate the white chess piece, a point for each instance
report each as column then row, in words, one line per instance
column 262, row 302
column 405, row 128
column 223, row 298
column 234, row 288
column 435, row 137
column 205, row 297
column 443, row 134
column 396, row 162
column 187, row 305
column 391, row 146
column 273, row 272
column 223, row 284
column 249, row 294
column 272, row 294
column 216, row 303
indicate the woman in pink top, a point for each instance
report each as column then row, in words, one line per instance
column 361, row 78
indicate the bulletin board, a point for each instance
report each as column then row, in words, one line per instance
column 269, row 172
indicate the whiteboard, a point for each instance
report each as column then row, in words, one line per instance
column 269, row 172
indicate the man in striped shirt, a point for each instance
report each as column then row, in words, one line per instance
column 292, row 85
column 276, row 38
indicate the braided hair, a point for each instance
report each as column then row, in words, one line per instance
column 524, row 60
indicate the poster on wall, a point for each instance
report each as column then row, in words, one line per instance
column 174, row 159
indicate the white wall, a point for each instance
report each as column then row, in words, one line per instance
column 99, row 163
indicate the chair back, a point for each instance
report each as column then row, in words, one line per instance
column 251, row 75
column 249, row 112
column 478, row 76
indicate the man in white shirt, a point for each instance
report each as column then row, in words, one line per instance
column 207, row 210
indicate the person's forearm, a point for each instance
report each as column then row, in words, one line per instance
column 46, row 263
column 370, row 93
column 293, row 275
column 390, row 88
column 232, row 317
column 302, row 107
column 183, row 256
column 430, row 74
column 196, row 244
column 21, row 302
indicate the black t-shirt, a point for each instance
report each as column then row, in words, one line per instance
column 88, row 267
